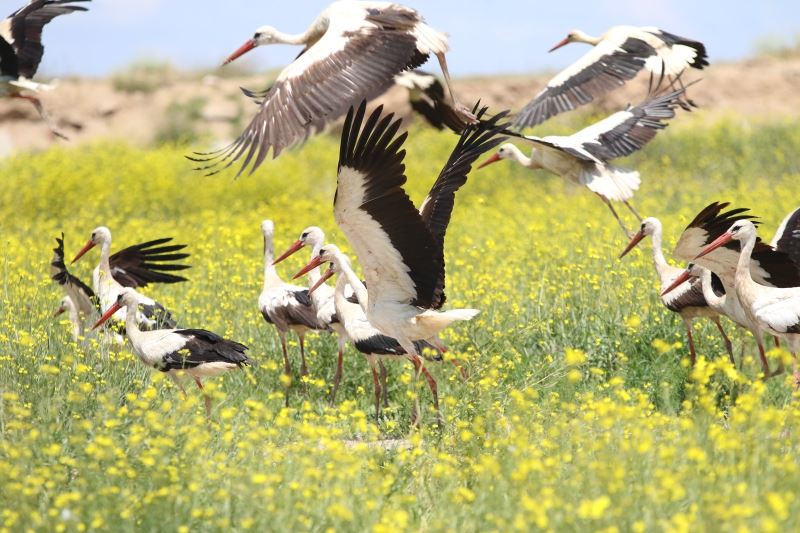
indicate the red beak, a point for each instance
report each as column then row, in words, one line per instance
column 684, row 276
column 86, row 247
column 58, row 311
column 314, row 263
column 108, row 314
column 246, row 47
column 722, row 240
column 561, row 43
column 631, row 245
column 325, row 277
column 494, row 159
column 294, row 248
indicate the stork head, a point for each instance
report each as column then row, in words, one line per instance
column 329, row 253
column 311, row 236
column 574, row 36
column 64, row 306
column 127, row 297
column 506, row 151
column 101, row 236
column 650, row 226
column 741, row 230
column 263, row 35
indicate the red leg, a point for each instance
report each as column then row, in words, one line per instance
column 461, row 369
column 42, row 113
column 433, row 386
column 764, row 362
column 384, row 389
column 692, row 352
column 337, row 378
column 205, row 397
column 795, row 371
column 726, row 340
column 303, row 367
column 377, row 386
column 287, row 366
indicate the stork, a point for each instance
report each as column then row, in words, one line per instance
column 352, row 51
column 775, row 309
column 427, row 98
column 366, row 338
column 688, row 301
column 771, row 267
column 287, row 307
column 79, row 302
column 135, row 266
column 616, row 57
column 196, row 352
column 21, row 51
column 322, row 298
column 583, row 158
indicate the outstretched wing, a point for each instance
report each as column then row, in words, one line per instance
column 148, row 262
column 787, row 238
column 23, row 30
column 81, row 294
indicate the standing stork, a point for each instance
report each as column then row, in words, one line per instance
column 352, row 52
column 287, row 307
column 322, row 298
column 21, row 50
column 775, row 309
column 196, row 352
column 79, row 302
column 584, row 157
column 688, row 300
column 135, row 266
column 401, row 249
column 616, row 57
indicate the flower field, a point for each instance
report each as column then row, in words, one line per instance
column 580, row 411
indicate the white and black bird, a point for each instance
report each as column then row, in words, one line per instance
column 287, row 307
column 769, row 266
column 195, row 352
column 79, row 302
column 427, row 98
column 321, row 298
column 374, row 345
column 352, row 52
column 584, row 158
column 135, row 266
column 616, row 57
column 775, row 310
column 21, row 50
column 400, row 248
column 687, row 298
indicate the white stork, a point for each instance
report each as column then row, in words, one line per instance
column 771, row 267
column 287, row 307
column 321, row 298
column 776, row 310
column 365, row 337
column 400, row 248
column 79, row 302
column 687, row 299
column 583, row 158
column 616, row 57
column 196, row 352
column 352, row 51
column 21, row 50
column 427, row 98
column 135, row 266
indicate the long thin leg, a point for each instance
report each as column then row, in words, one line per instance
column 458, row 106
column 635, row 213
column 337, row 378
column 303, row 367
column 434, row 391
column 777, row 342
column 377, row 387
column 456, row 363
column 287, row 366
column 383, row 383
column 206, row 397
column 415, row 414
column 692, row 352
column 177, row 382
column 726, row 340
column 795, row 371
column 42, row 113
column 763, row 356
column 625, row 230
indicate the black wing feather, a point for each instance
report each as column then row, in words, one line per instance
column 148, row 262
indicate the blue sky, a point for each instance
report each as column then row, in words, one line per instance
column 507, row 36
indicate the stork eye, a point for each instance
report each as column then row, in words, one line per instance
column 304, row 235
column 257, row 35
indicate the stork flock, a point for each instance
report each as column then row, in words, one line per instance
column 353, row 52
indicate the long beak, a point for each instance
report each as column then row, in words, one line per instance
column 722, row 240
column 561, row 43
column 684, row 276
column 631, row 245
column 108, row 314
column 86, row 247
column 314, row 263
column 325, row 277
column 246, row 47
column 58, row 311
column 494, row 159
column 294, row 248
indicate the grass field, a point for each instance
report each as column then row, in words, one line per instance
column 580, row 412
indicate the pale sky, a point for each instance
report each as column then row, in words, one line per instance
column 502, row 36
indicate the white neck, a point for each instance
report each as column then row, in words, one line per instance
column 313, row 274
column 105, row 252
column 132, row 328
column 358, row 287
column 714, row 301
column 662, row 267
column 295, row 38
column 519, row 157
column 744, row 281
column 346, row 310
column 271, row 278
column 581, row 37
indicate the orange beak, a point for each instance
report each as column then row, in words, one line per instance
column 58, row 311
column 108, row 314
column 293, row 249
column 722, row 240
column 314, row 263
column 325, row 277
column 684, row 276
column 493, row 159
column 631, row 245
column 561, row 43
column 246, row 47
column 86, row 247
